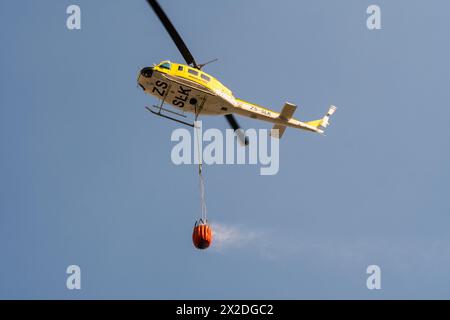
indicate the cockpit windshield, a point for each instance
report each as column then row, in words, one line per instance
column 165, row 65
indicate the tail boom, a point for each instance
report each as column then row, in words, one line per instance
column 284, row 118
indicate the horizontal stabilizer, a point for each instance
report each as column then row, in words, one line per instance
column 278, row 131
column 288, row 111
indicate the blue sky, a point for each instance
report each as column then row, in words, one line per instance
column 86, row 176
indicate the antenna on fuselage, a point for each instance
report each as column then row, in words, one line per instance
column 200, row 66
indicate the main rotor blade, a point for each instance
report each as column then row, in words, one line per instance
column 173, row 33
column 233, row 123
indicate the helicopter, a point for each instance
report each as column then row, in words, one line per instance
column 188, row 89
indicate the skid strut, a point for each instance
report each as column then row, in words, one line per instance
column 158, row 110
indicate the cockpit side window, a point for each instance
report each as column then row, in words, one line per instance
column 180, row 68
column 165, row 65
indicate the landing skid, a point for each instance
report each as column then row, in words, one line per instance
column 160, row 114
column 158, row 111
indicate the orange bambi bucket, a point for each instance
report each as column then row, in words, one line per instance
column 202, row 235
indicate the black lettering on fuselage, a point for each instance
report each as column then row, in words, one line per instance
column 162, row 85
column 184, row 91
column 181, row 98
column 178, row 103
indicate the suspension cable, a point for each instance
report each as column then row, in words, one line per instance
column 203, row 208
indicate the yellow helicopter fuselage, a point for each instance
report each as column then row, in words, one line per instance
column 194, row 91
column 187, row 89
